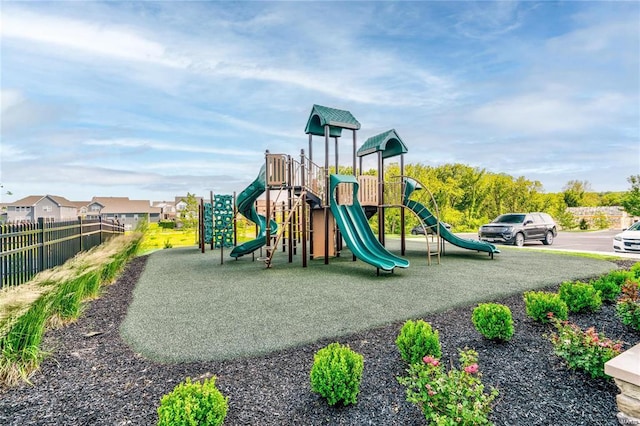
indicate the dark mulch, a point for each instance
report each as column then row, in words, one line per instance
column 94, row 379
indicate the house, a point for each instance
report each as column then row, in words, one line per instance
column 167, row 209
column 181, row 203
column 122, row 210
column 52, row 208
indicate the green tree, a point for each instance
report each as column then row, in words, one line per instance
column 631, row 199
column 189, row 216
column 575, row 191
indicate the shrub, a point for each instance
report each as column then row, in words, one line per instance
column 628, row 307
column 193, row 404
column 417, row 339
column 453, row 398
column 540, row 303
column 167, row 244
column 609, row 289
column 585, row 350
column 580, row 297
column 635, row 271
column 583, row 225
column 493, row 321
column 336, row 374
column 167, row 224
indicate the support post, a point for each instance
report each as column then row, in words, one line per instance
column 380, row 198
column 267, row 209
column 403, row 242
column 327, row 195
column 304, row 208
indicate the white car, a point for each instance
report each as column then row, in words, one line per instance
column 629, row 240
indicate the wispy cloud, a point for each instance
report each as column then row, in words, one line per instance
column 171, row 147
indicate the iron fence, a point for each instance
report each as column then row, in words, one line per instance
column 29, row 248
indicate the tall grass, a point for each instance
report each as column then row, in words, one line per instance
column 53, row 299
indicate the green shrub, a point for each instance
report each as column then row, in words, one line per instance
column 540, row 304
column 609, row 289
column 628, row 307
column 193, row 404
column 167, row 224
column 417, row 339
column 450, row 398
column 584, row 350
column 580, row 297
column 336, row 374
column 635, row 271
column 493, row 320
column 583, row 225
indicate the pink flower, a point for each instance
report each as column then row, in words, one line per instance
column 473, row 368
column 431, row 393
column 430, row 360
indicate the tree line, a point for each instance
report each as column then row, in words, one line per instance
column 468, row 197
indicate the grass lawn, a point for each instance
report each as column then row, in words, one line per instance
column 156, row 238
column 186, row 306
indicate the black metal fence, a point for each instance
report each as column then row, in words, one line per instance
column 28, row 248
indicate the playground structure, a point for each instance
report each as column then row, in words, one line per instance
column 318, row 208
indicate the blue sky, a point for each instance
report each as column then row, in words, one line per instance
column 154, row 99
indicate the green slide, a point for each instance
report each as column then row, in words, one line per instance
column 246, row 206
column 431, row 222
column 356, row 231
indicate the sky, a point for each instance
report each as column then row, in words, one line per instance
column 153, row 99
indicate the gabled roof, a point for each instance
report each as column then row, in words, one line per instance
column 388, row 142
column 32, row 200
column 337, row 119
column 119, row 205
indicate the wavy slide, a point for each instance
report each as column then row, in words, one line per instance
column 247, row 207
column 431, row 222
column 356, row 231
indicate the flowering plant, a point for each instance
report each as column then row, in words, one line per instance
column 587, row 350
column 454, row 397
column 628, row 306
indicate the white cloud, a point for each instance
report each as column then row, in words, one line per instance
column 169, row 146
column 91, row 38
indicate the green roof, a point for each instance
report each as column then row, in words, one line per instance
column 388, row 142
column 337, row 119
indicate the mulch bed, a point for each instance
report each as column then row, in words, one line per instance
column 93, row 378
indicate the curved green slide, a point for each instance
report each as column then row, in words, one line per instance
column 356, row 231
column 430, row 221
column 246, row 207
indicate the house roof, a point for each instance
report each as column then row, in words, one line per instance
column 32, row 200
column 113, row 205
column 389, row 143
column 337, row 119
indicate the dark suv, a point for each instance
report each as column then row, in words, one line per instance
column 516, row 228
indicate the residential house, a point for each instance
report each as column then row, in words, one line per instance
column 52, row 208
column 167, row 209
column 181, row 204
column 123, row 210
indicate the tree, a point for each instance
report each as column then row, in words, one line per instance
column 575, row 191
column 631, row 200
column 189, row 216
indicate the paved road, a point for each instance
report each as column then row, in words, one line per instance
column 593, row 241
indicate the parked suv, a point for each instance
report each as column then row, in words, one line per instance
column 516, row 228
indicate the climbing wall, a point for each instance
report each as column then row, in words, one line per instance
column 222, row 221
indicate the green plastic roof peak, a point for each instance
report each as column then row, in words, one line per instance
column 337, row 119
column 388, row 142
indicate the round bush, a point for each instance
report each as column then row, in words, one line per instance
column 539, row 304
column 336, row 374
column 493, row 320
column 193, row 404
column 416, row 340
column 580, row 297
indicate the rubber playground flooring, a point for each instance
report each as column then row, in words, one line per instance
column 188, row 307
